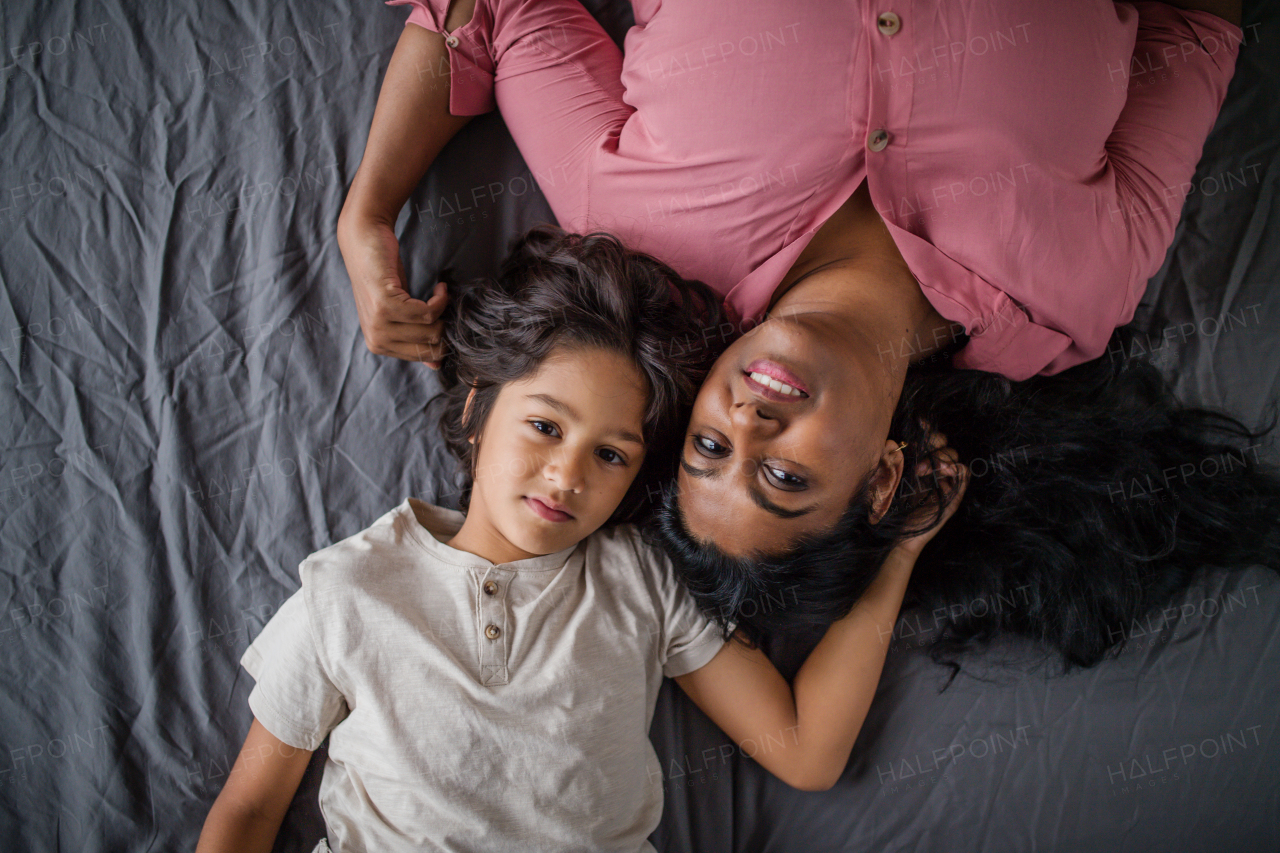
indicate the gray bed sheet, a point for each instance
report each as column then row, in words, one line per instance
column 187, row 409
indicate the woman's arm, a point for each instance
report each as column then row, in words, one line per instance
column 247, row 814
column 560, row 91
column 804, row 734
column 1178, row 79
column 411, row 124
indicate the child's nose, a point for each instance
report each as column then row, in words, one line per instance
column 566, row 470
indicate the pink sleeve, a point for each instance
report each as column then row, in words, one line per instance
column 644, row 10
column 471, row 56
column 555, row 74
column 1177, row 80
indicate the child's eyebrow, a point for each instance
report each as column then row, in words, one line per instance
column 566, row 409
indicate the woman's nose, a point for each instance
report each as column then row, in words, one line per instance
column 753, row 419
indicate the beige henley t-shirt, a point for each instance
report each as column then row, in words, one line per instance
column 479, row 707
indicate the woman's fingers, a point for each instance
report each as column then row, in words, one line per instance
column 430, row 355
column 436, row 302
column 385, row 310
column 953, row 477
column 393, row 304
column 407, row 328
column 415, row 341
column 943, row 461
column 409, row 320
column 393, row 322
column 949, row 471
column 415, row 333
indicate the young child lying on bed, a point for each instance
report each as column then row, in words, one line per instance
column 487, row 682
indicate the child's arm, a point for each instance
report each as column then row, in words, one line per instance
column 411, row 124
column 803, row 735
column 247, row 814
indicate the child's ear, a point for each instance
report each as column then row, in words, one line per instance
column 466, row 407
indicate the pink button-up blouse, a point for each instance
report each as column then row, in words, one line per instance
column 1030, row 159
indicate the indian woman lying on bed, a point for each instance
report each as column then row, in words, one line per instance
column 923, row 219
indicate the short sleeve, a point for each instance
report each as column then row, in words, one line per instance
column 1182, row 64
column 690, row 638
column 428, row 14
column 472, row 58
column 294, row 697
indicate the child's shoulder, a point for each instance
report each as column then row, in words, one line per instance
column 616, row 536
column 393, row 539
column 624, row 546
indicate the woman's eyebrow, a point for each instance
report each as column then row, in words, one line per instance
column 767, row 505
column 699, row 472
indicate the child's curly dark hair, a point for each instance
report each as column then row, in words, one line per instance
column 556, row 288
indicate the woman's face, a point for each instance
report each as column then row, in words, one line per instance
column 761, row 466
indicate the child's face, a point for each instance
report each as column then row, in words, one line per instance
column 557, row 454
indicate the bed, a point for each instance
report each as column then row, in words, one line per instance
column 189, row 409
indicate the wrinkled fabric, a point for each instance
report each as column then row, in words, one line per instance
column 188, row 409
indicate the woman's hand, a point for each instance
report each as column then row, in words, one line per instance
column 394, row 323
column 954, row 478
column 411, row 123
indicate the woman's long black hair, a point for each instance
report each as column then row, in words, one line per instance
column 1094, row 498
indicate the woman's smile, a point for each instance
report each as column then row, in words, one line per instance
column 771, row 374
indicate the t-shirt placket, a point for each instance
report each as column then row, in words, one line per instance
column 492, row 625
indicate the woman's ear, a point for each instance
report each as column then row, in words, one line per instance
column 466, row 409
column 885, row 481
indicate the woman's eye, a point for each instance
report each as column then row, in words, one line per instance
column 709, row 446
column 538, row 425
column 784, row 480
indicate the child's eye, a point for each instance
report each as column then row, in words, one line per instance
column 550, row 428
column 613, row 457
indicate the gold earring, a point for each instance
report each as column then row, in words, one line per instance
column 901, row 445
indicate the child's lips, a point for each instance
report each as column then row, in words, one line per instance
column 547, row 509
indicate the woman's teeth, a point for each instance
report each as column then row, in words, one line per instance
column 780, row 387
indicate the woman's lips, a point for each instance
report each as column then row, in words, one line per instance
column 547, row 512
column 778, row 373
column 768, row 393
